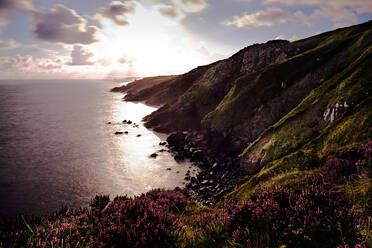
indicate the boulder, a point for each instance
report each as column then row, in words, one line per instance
column 176, row 140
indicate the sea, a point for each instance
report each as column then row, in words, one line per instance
column 58, row 146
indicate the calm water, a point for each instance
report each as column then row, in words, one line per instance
column 57, row 148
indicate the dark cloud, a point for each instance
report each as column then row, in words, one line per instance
column 80, row 56
column 63, row 25
column 9, row 6
column 116, row 11
column 20, row 5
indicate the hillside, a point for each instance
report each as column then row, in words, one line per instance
column 277, row 110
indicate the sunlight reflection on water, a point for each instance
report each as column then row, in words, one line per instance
column 139, row 144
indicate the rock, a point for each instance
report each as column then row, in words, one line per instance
column 129, row 122
column 179, row 157
column 162, row 143
column 335, row 111
column 139, row 135
column 193, row 180
column 197, row 155
column 124, row 121
column 162, row 150
column 176, row 140
column 109, row 122
column 126, row 132
column 118, row 133
column 154, row 155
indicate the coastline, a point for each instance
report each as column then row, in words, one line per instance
column 219, row 166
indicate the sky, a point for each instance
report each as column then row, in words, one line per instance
column 104, row 39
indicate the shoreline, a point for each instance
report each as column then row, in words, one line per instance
column 220, row 171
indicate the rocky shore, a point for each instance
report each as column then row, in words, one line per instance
column 218, row 162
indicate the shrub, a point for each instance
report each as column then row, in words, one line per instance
column 143, row 221
column 346, row 163
column 297, row 218
column 99, row 202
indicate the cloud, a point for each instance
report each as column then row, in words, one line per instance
column 203, row 51
column 170, row 12
column 338, row 15
column 283, row 37
column 26, row 63
column 125, row 60
column 157, row 2
column 360, row 6
column 116, row 12
column 193, row 6
column 340, row 12
column 177, row 8
column 9, row 6
column 9, row 44
column 302, row 17
column 80, row 56
column 280, row 37
column 20, row 5
column 261, row 18
column 63, row 25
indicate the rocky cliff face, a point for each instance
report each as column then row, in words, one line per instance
column 207, row 91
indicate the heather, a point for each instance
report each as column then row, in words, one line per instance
column 346, row 163
column 306, row 214
column 304, row 217
column 144, row 221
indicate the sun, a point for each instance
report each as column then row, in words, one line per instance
column 151, row 45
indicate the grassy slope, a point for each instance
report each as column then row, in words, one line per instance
column 326, row 54
column 301, row 140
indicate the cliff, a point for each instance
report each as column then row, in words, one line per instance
column 260, row 89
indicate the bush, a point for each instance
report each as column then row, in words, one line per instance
column 312, row 216
column 144, row 221
column 344, row 164
column 99, row 202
